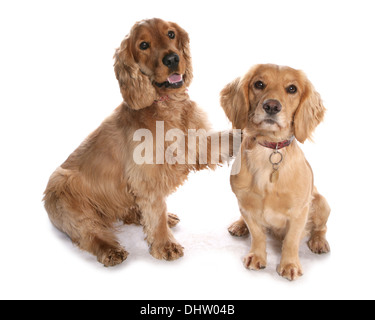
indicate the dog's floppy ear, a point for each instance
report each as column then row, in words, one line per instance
column 234, row 99
column 309, row 114
column 136, row 87
column 184, row 46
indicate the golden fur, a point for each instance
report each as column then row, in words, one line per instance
column 100, row 183
column 290, row 207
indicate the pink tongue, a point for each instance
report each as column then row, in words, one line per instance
column 174, row 78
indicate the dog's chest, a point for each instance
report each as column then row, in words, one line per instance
column 274, row 219
column 265, row 168
column 271, row 200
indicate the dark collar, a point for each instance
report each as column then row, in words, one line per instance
column 162, row 99
column 277, row 145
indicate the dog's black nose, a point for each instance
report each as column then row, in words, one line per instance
column 272, row 107
column 171, row 60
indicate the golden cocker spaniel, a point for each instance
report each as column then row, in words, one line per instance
column 275, row 187
column 102, row 182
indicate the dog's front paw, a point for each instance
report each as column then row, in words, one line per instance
column 254, row 262
column 169, row 251
column 290, row 271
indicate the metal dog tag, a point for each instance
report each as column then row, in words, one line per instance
column 274, row 176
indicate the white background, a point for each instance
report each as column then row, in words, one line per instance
column 57, row 84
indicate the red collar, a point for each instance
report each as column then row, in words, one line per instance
column 162, row 99
column 277, row 145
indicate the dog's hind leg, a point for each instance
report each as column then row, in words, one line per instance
column 104, row 245
column 134, row 216
column 318, row 217
column 86, row 230
column 239, row 228
column 173, row 220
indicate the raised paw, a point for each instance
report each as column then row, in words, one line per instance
column 290, row 271
column 113, row 256
column 319, row 245
column 254, row 262
column 238, row 229
column 173, row 220
column 169, row 251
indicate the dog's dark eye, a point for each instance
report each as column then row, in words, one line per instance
column 144, row 46
column 292, row 89
column 259, row 85
column 171, row 34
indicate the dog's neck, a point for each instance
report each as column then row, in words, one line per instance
column 272, row 140
column 277, row 145
column 162, row 99
column 167, row 107
column 172, row 96
column 261, row 152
